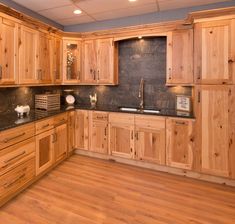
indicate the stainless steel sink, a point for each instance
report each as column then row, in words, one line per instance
column 130, row 109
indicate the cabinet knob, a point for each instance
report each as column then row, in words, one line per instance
column 230, row 61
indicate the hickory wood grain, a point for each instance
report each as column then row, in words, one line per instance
column 92, row 191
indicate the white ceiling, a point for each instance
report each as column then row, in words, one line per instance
column 61, row 11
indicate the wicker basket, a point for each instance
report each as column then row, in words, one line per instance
column 47, row 101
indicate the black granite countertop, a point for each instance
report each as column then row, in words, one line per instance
column 10, row 120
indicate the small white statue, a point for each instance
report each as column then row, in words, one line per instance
column 93, row 100
column 22, row 110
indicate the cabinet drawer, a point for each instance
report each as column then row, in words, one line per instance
column 60, row 119
column 15, row 135
column 150, row 121
column 44, row 125
column 100, row 116
column 121, row 118
column 16, row 154
column 17, row 178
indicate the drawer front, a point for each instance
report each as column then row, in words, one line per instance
column 60, row 119
column 44, row 125
column 150, row 121
column 17, row 178
column 16, row 135
column 16, row 154
column 121, row 118
column 99, row 116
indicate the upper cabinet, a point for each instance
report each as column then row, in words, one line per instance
column 27, row 56
column 71, row 61
column 43, row 58
column 180, row 57
column 8, row 52
column 57, row 59
column 99, row 65
column 214, row 55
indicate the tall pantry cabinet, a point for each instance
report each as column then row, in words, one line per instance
column 214, row 72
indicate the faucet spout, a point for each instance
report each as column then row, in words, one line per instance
column 141, row 93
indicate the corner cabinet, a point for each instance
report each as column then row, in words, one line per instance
column 180, row 57
column 150, row 139
column 71, row 61
column 215, row 119
column 99, row 65
column 214, row 55
column 8, row 52
column 180, row 143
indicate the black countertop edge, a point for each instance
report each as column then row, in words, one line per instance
column 10, row 120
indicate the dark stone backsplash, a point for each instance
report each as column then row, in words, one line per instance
column 137, row 58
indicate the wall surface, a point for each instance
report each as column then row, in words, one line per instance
column 145, row 58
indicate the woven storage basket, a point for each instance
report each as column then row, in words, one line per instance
column 47, row 101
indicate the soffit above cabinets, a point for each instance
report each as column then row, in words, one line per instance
column 61, row 11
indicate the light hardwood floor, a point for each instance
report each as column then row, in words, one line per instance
column 83, row 190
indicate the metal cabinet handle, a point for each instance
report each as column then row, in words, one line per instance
column 180, row 122
column 170, row 73
column 15, row 157
column 45, row 126
column 7, row 185
column 137, row 136
column 132, row 135
column 199, row 97
column 98, row 74
column 0, row 72
column 105, row 131
column 198, row 72
column 94, row 74
column 6, row 140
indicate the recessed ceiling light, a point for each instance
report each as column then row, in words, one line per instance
column 132, row 0
column 77, row 11
column 140, row 37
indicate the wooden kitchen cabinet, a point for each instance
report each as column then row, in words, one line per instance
column 121, row 131
column 44, row 150
column 215, row 125
column 82, row 129
column 27, row 55
column 150, row 139
column 180, row 57
column 71, row 130
column 71, row 61
column 43, row 59
column 60, row 142
column 98, row 132
column 8, row 52
column 180, row 143
column 99, row 62
column 214, row 55
column 57, row 59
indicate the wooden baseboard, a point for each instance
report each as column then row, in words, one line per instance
column 171, row 170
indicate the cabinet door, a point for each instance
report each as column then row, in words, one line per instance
column 44, row 59
column 90, row 62
column 214, row 108
column 105, row 61
column 82, row 129
column 71, row 131
column 180, row 57
column 8, row 51
column 44, row 151
column 60, row 142
column 27, row 56
column 179, row 149
column 150, row 144
column 215, row 52
column 71, row 61
column 57, row 60
column 98, row 136
column 122, row 140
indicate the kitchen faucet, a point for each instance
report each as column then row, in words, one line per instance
column 141, row 94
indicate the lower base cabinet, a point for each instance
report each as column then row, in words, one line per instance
column 121, row 130
column 44, row 150
column 150, row 139
column 180, row 143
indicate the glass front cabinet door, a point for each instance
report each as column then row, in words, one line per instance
column 71, row 61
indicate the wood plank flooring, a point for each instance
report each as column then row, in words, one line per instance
column 84, row 190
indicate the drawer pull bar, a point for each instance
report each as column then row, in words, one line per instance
column 13, row 138
column 7, row 185
column 180, row 122
column 15, row 157
column 45, row 126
